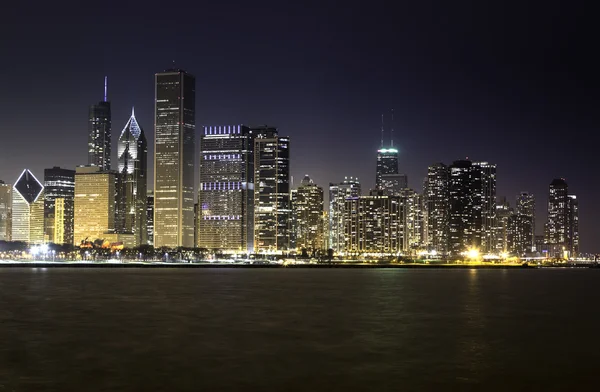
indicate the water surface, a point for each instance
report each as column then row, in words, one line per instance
column 298, row 329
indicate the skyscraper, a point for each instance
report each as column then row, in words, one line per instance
column 59, row 184
column 175, row 96
column 94, row 204
column 5, row 211
column 436, row 202
column 374, row 224
column 413, row 231
column 271, row 191
column 573, row 235
column 28, row 209
column 557, row 226
column 338, row 193
column 307, row 216
column 464, row 220
column 526, row 206
column 393, row 184
column 226, row 189
column 132, row 182
column 99, row 133
column 387, row 163
column 150, row 217
column 486, row 178
column 505, row 231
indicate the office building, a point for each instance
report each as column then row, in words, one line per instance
column 307, row 217
column 59, row 184
column 225, row 219
column 132, row 182
column 413, row 230
column 28, row 209
column 393, row 184
column 436, row 205
column 150, row 217
column 573, row 234
column 387, row 163
column 338, row 193
column 94, row 215
column 526, row 206
column 505, row 228
column 464, row 220
column 175, row 95
column 486, row 176
column 271, row 191
column 373, row 225
column 99, row 133
column 557, row 229
column 519, row 231
column 5, row 211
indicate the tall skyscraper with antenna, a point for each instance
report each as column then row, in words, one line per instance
column 99, row 133
column 387, row 161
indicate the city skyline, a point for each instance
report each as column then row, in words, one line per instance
column 440, row 115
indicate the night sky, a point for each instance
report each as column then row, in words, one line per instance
column 514, row 84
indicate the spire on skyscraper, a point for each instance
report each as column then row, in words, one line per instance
column 105, row 88
column 382, row 130
column 392, row 131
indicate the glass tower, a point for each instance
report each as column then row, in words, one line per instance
column 338, row 193
column 28, row 209
column 59, row 184
column 99, row 133
column 5, row 211
column 132, row 182
column 175, row 95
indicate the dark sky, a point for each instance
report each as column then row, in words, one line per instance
column 514, row 83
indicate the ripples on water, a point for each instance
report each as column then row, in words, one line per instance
column 298, row 329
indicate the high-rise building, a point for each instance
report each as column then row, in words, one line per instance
column 5, row 211
column 271, row 191
column 557, row 226
column 338, row 193
column 413, row 231
column 436, row 206
column 59, row 184
column 393, row 184
column 387, row 163
column 28, row 209
column 504, row 230
column 464, row 221
column 175, row 95
column 307, row 216
column 226, row 189
column 518, row 238
column 99, row 133
column 150, row 217
column 486, row 175
column 526, row 206
column 573, row 236
column 132, row 182
column 373, row 224
column 94, row 204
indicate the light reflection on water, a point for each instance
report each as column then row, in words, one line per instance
column 297, row 330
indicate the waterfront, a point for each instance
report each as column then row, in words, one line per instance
column 298, row 329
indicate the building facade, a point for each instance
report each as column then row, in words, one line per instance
column 28, row 209
column 526, row 206
column 557, row 226
column 99, row 134
column 150, row 217
column 338, row 193
column 436, row 204
column 175, row 95
column 373, row 225
column 94, row 215
column 226, row 191
column 307, row 217
column 132, row 182
column 271, row 191
column 59, row 184
column 464, row 220
column 485, row 174
column 387, row 163
column 5, row 211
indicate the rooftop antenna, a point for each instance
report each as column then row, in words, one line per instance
column 105, row 80
column 392, row 131
column 382, row 131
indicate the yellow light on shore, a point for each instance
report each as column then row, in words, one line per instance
column 473, row 253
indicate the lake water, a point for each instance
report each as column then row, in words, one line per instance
column 299, row 330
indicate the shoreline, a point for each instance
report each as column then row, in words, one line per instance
column 29, row 264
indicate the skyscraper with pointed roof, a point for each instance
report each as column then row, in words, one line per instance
column 132, row 181
column 99, row 133
column 28, row 209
